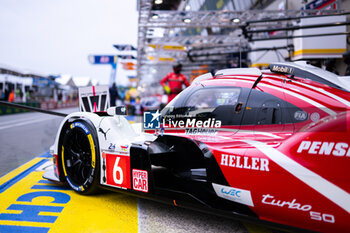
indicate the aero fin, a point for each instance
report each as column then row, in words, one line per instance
column 93, row 99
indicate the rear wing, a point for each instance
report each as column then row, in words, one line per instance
column 94, row 99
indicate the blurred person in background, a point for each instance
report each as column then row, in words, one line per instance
column 2, row 95
column 173, row 82
column 7, row 92
column 346, row 60
column 138, row 108
column 330, row 65
column 12, row 96
column 18, row 95
column 114, row 95
column 59, row 97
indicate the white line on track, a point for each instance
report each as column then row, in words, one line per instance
column 9, row 125
column 17, row 121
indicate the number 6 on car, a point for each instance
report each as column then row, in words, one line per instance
column 118, row 170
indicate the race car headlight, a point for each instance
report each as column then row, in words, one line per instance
column 55, row 165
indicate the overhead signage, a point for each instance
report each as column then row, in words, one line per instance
column 161, row 59
column 108, row 59
column 128, row 65
column 321, row 4
column 124, row 47
column 103, row 59
column 168, row 47
column 127, row 57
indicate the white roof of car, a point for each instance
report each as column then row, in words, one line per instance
column 239, row 71
column 323, row 74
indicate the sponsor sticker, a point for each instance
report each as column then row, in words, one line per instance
column 140, row 180
column 124, row 148
column 234, row 194
column 282, row 69
column 270, row 200
column 245, row 162
column 315, row 117
column 80, row 125
column 338, row 149
column 300, row 115
column 199, row 131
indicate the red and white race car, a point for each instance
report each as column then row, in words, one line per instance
column 270, row 146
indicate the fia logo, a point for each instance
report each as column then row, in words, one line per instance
column 151, row 120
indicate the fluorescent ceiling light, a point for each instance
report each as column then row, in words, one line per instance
column 236, row 20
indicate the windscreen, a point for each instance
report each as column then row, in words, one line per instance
column 210, row 102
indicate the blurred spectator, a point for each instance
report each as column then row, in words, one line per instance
column 2, row 95
column 7, row 93
column 173, row 82
column 346, row 59
column 59, row 97
column 12, row 96
column 330, row 66
column 18, row 95
column 127, row 98
column 138, row 110
column 113, row 95
column 28, row 95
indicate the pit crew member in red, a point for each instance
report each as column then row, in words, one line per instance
column 172, row 82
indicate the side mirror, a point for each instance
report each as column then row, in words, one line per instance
column 120, row 110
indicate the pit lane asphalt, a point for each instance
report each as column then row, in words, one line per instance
column 28, row 135
column 24, row 136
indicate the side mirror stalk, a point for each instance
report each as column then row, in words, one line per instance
column 120, row 110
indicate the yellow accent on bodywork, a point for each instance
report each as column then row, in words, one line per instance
column 64, row 167
column 93, row 154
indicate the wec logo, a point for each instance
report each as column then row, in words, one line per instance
column 231, row 192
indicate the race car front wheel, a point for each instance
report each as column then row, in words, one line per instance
column 80, row 157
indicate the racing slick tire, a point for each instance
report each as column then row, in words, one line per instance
column 80, row 157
